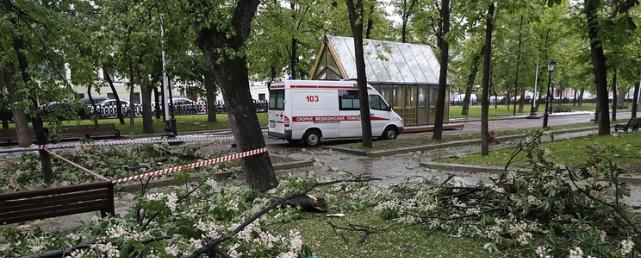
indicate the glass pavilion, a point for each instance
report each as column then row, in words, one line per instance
column 405, row 74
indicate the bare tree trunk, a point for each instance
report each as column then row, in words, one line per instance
column 518, row 64
column 614, row 93
column 407, row 13
column 232, row 76
column 19, row 116
column 635, row 100
column 598, row 66
column 487, row 62
column 94, row 113
column 574, row 97
column 132, row 105
column 444, row 46
column 581, row 97
column 36, row 118
column 370, row 20
column 293, row 58
column 147, row 116
column 157, row 110
column 470, row 82
column 107, row 75
column 210, row 90
column 522, row 101
column 356, row 22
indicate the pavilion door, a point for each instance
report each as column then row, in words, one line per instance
column 422, row 106
column 409, row 115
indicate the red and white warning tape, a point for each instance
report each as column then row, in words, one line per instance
column 197, row 164
column 78, row 166
column 201, row 139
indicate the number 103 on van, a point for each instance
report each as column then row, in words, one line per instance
column 313, row 98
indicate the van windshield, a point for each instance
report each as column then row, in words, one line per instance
column 277, row 99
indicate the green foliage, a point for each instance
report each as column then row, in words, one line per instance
column 551, row 210
column 109, row 162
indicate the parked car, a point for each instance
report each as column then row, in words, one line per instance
column 65, row 110
column 185, row 106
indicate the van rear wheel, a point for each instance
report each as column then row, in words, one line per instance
column 390, row 133
column 312, row 138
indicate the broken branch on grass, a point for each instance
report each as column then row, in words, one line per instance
column 213, row 245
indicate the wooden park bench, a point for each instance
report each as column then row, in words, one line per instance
column 633, row 125
column 10, row 135
column 87, row 131
column 54, row 202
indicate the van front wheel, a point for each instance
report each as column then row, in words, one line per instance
column 390, row 133
column 312, row 138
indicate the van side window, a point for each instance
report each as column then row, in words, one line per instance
column 348, row 100
column 377, row 103
column 277, row 100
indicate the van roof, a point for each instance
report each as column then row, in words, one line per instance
column 316, row 84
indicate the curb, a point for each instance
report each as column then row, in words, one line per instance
column 502, row 118
column 461, row 168
column 446, row 144
column 279, row 167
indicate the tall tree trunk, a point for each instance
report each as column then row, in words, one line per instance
column 518, row 64
column 581, row 97
column 370, row 21
column 614, row 93
column 470, row 82
column 574, row 97
column 442, row 80
column 293, row 58
column 19, row 116
column 522, row 100
column 132, row 105
column 405, row 18
column 356, row 22
column 635, row 99
column 496, row 100
column 107, row 76
column 210, row 90
column 232, row 76
column 487, row 62
column 36, row 118
column 508, row 102
column 621, row 98
column 156, row 109
column 147, row 116
column 94, row 113
column 598, row 66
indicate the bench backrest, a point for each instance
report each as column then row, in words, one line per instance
column 8, row 133
column 59, row 201
column 87, row 128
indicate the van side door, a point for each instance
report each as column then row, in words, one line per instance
column 350, row 113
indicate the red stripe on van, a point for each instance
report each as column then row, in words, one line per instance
column 324, row 87
column 320, row 119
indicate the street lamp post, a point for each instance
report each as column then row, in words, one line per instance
column 551, row 66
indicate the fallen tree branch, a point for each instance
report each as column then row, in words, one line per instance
column 212, row 245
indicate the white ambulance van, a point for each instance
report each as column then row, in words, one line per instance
column 307, row 111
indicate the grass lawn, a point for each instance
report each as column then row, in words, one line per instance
column 417, row 141
column 406, row 241
column 475, row 111
column 502, row 110
column 184, row 123
column 625, row 149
